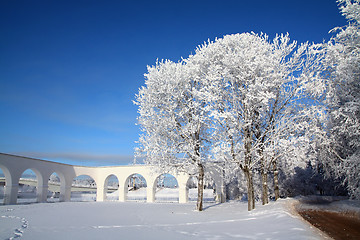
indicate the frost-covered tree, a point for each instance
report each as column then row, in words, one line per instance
column 232, row 65
column 343, row 61
column 239, row 99
column 259, row 91
column 174, row 120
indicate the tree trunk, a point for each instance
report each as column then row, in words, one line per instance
column 250, row 189
column 276, row 182
column 264, row 178
column 199, row 204
column 247, row 170
column 265, row 189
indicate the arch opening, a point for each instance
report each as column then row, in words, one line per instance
column 54, row 184
column 136, row 188
column 28, row 182
column 167, row 188
column 111, row 188
column 2, row 185
column 83, row 189
column 209, row 193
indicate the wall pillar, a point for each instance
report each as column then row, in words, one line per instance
column 220, row 194
column 100, row 193
column 220, row 188
column 41, row 192
column 11, row 192
column 182, row 179
column 65, row 192
column 122, row 193
column 183, row 193
column 150, row 193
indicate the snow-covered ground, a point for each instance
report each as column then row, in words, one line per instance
column 139, row 220
column 164, row 195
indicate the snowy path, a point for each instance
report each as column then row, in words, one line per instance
column 111, row 220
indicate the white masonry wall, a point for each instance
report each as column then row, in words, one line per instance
column 13, row 167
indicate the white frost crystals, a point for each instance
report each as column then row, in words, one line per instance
column 174, row 119
column 343, row 62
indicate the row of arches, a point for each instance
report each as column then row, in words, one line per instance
column 133, row 181
column 84, row 188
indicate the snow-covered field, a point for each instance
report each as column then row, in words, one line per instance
column 139, row 220
column 164, row 195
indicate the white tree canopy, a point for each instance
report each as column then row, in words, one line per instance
column 343, row 62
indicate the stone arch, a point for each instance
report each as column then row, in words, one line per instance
column 83, row 188
column 209, row 193
column 11, row 184
column 30, row 186
column 135, row 187
column 191, row 186
column 111, row 187
column 166, row 188
column 56, row 186
column 5, row 180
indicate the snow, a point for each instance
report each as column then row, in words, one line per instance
column 140, row 220
column 164, row 195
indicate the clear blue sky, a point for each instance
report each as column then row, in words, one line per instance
column 69, row 70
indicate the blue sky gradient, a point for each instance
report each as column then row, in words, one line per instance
column 69, row 70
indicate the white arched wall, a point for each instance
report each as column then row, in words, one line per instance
column 8, row 182
column 124, row 191
column 40, row 185
column 91, row 172
column 62, row 184
column 13, row 166
column 181, row 178
column 106, row 184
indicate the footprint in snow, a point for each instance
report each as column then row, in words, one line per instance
column 19, row 231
